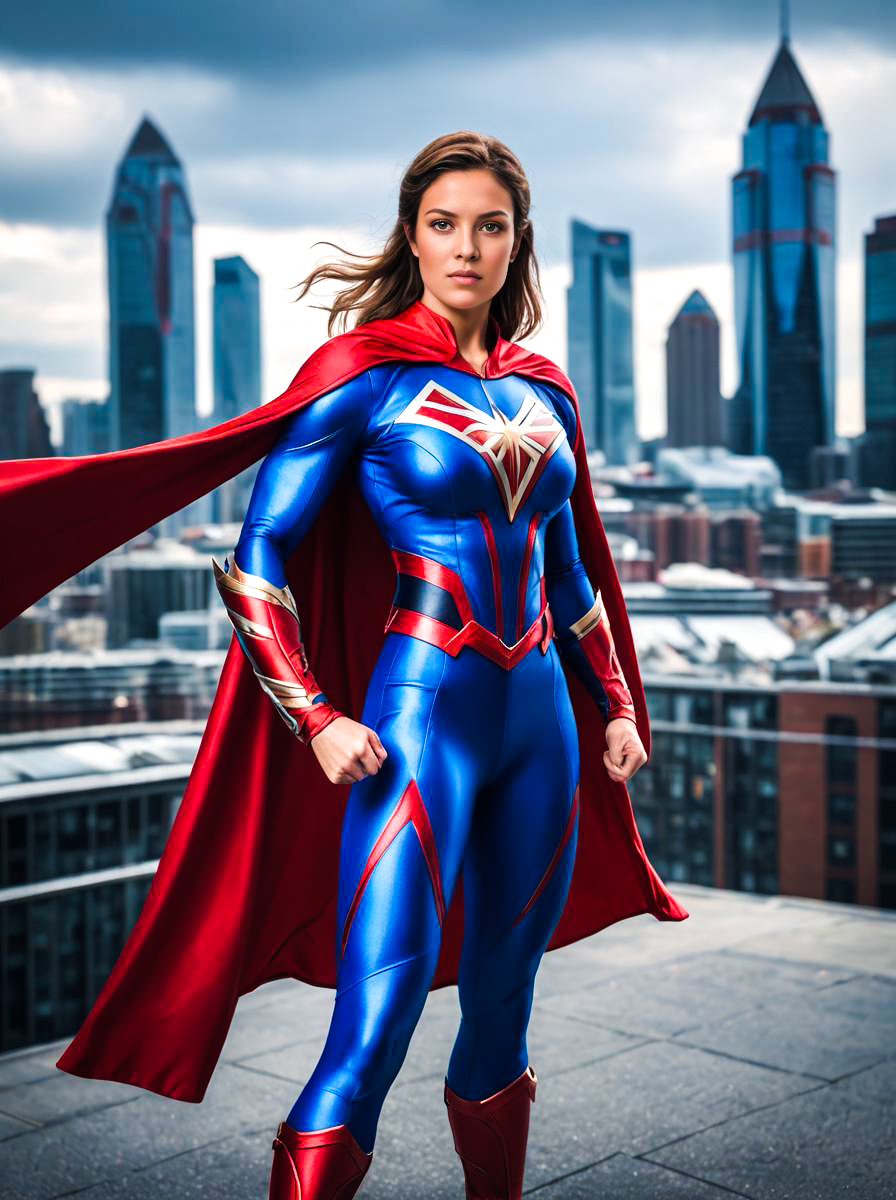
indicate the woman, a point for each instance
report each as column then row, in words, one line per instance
column 464, row 760
column 424, row 504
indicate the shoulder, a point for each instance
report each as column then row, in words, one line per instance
column 341, row 409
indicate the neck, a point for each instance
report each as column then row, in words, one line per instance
column 470, row 326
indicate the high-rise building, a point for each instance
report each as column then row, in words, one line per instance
column 85, row 427
column 877, row 452
column 149, row 233
column 24, row 432
column 236, row 321
column 693, row 399
column 784, row 275
column 599, row 306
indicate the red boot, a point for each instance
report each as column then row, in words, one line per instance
column 490, row 1137
column 325, row 1164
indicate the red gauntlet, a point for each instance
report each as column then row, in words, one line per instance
column 595, row 642
column 267, row 627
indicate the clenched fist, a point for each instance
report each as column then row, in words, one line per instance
column 625, row 751
column 348, row 751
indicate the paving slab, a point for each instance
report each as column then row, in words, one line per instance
column 748, row 1051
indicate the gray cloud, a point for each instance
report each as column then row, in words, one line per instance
column 314, row 40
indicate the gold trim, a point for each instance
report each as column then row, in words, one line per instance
column 244, row 625
column 585, row 624
column 285, row 691
column 242, row 583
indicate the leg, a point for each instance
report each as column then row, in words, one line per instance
column 516, row 878
column 404, row 838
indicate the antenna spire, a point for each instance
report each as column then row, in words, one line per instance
column 785, row 20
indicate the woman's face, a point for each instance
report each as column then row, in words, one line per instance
column 464, row 238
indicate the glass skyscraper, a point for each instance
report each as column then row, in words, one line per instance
column 236, row 320
column 878, row 447
column 599, row 331
column 693, row 399
column 149, row 235
column 784, row 277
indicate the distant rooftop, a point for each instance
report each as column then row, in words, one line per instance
column 745, row 1051
column 696, row 305
column 785, row 93
column 148, row 142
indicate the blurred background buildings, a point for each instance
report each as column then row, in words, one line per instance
column 757, row 552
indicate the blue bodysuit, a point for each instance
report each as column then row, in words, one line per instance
column 468, row 480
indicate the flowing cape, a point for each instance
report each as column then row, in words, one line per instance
column 246, row 887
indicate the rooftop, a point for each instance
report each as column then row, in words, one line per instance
column 746, row 1051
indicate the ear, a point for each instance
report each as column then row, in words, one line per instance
column 408, row 235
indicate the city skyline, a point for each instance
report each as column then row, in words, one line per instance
column 685, row 248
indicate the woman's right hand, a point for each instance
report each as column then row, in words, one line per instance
column 348, row 751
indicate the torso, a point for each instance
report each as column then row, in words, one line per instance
column 468, row 471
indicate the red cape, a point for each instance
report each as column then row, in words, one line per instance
column 246, row 888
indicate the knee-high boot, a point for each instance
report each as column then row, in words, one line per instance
column 490, row 1137
column 324, row 1164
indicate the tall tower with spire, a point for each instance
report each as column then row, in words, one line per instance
column 149, row 238
column 784, row 275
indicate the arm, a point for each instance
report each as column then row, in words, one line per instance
column 583, row 634
column 290, row 488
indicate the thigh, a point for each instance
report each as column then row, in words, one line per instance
column 405, row 829
column 523, row 834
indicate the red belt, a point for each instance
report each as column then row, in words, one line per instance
column 437, row 633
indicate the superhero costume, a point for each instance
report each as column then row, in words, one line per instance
column 246, row 888
column 468, row 482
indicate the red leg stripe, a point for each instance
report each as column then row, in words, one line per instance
column 567, row 834
column 409, row 808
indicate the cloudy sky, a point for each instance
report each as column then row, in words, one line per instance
column 295, row 121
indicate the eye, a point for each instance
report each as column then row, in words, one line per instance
column 498, row 226
column 440, row 221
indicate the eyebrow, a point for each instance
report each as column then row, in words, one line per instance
column 495, row 212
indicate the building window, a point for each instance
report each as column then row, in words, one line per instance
column 842, row 890
column 841, row 757
column 841, row 850
column 841, row 808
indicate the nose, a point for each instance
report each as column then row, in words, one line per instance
column 466, row 246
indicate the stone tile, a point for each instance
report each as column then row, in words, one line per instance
column 639, row 1099
column 46, row 1100
column 623, row 1178
column 670, row 998
column 868, row 946
column 24, row 1068
column 11, row 1125
column 103, row 1145
column 828, row 1142
column 805, row 1033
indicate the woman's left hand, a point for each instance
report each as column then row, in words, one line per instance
column 625, row 751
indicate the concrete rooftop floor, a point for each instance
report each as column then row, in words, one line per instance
column 747, row 1051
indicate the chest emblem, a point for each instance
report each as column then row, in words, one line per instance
column 516, row 448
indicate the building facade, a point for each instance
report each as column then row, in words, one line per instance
column 784, row 275
column 24, row 431
column 693, row 398
column 601, row 355
column 878, row 447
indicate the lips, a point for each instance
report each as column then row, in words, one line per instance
column 465, row 276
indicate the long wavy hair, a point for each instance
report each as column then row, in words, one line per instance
column 384, row 284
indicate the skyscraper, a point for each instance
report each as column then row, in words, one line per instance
column 237, row 366
column 878, row 446
column 784, row 277
column 149, row 236
column 85, row 427
column 599, row 308
column 693, row 400
column 24, row 431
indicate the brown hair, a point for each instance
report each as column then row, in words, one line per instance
column 384, row 284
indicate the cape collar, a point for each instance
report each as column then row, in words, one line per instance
column 421, row 315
